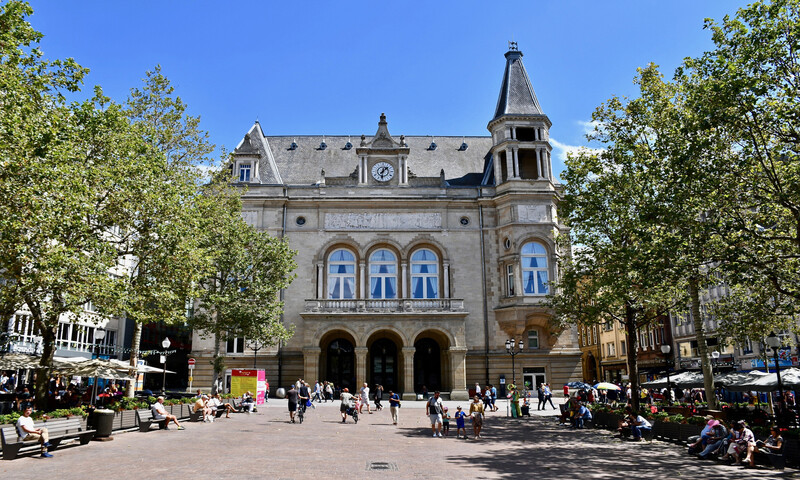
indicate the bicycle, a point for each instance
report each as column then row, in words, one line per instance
column 301, row 410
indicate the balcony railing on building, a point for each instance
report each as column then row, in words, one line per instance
column 379, row 305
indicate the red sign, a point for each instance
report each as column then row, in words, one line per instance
column 244, row 373
column 191, row 361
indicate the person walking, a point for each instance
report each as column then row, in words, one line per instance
column 394, row 406
column 476, row 412
column 434, row 409
column 378, row 396
column 364, row 399
column 540, row 395
column 548, row 396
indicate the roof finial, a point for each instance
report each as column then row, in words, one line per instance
column 512, row 46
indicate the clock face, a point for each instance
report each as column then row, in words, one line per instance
column 382, row 171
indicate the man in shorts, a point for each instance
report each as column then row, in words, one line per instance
column 434, row 410
column 27, row 432
column 347, row 402
column 160, row 413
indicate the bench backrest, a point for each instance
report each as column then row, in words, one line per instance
column 144, row 414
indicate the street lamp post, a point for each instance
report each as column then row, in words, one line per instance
column 665, row 349
column 774, row 343
column 99, row 335
column 255, row 346
column 510, row 350
column 164, row 343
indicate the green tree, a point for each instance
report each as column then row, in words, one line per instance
column 747, row 88
column 55, row 185
column 616, row 272
column 240, row 296
column 162, row 220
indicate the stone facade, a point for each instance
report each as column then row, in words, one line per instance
column 418, row 257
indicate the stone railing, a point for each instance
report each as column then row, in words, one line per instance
column 378, row 305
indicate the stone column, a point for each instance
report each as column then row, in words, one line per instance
column 311, row 363
column 408, row 373
column 361, row 366
column 516, row 163
column 446, row 281
column 540, row 173
column 520, row 290
column 498, row 176
column 320, row 280
column 509, row 163
column 362, row 279
column 404, row 280
column 458, row 371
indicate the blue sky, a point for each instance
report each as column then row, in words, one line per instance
column 331, row 68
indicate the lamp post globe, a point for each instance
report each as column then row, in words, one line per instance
column 164, row 343
column 665, row 349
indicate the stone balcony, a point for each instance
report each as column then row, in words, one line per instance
column 383, row 306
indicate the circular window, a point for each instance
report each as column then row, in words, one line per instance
column 507, row 244
column 465, row 221
column 301, row 220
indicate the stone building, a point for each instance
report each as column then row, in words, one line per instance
column 418, row 257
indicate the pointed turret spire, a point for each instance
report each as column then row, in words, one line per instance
column 516, row 93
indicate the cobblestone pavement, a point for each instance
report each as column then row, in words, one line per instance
column 266, row 445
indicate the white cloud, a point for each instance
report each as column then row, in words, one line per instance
column 588, row 127
column 560, row 150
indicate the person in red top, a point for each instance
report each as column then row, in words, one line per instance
column 566, row 391
column 266, row 388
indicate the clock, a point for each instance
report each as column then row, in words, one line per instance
column 382, row 171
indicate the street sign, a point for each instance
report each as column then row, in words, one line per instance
column 191, row 364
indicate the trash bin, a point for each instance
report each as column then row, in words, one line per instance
column 102, row 420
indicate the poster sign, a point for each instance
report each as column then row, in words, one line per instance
column 253, row 381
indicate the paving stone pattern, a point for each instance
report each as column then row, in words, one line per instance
column 266, row 445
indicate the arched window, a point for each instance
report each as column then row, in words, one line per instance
column 383, row 274
column 341, row 274
column 534, row 269
column 424, row 274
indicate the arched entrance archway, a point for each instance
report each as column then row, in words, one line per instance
column 383, row 360
column 384, row 364
column 337, row 359
column 427, row 365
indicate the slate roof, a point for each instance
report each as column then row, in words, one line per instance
column 302, row 166
column 516, row 92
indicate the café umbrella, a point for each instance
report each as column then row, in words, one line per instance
column 606, row 386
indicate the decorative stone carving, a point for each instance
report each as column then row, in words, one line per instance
column 533, row 213
column 383, row 221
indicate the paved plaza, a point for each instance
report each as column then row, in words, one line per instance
column 266, row 445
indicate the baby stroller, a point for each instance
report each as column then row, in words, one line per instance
column 353, row 412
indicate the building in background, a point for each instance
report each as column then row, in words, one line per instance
column 418, row 256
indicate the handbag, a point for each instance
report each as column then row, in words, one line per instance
column 308, row 402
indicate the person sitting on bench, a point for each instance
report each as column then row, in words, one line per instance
column 637, row 424
column 202, row 404
column 160, row 413
column 26, row 431
column 248, row 403
column 219, row 407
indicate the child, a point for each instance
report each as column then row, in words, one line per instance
column 445, row 422
column 460, row 425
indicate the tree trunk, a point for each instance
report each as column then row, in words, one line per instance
column 42, row 385
column 702, row 347
column 632, row 330
column 217, row 365
column 136, row 342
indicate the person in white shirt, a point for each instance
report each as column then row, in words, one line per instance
column 365, row 399
column 160, row 413
column 27, row 432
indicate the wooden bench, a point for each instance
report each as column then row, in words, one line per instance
column 145, row 420
column 196, row 416
column 57, row 429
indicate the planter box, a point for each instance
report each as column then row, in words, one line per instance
column 669, row 431
column 124, row 419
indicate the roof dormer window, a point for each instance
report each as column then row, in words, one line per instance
column 244, row 172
